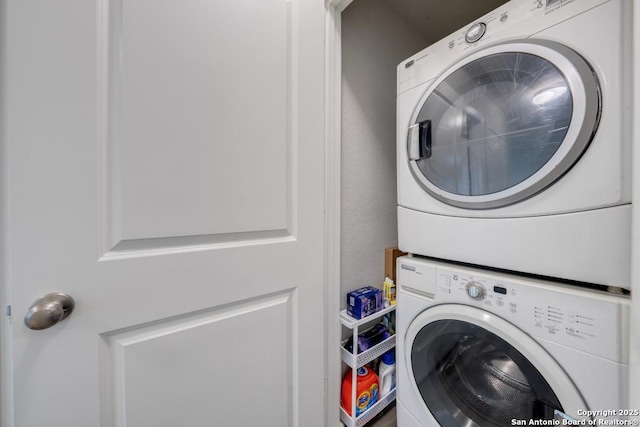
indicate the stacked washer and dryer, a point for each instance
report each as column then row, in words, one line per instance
column 514, row 199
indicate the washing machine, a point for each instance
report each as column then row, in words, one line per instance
column 514, row 141
column 480, row 348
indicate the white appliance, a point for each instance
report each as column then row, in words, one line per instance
column 514, row 142
column 477, row 348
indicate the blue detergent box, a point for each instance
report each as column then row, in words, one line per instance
column 364, row 301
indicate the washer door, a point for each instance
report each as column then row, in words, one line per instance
column 474, row 369
column 504, row 124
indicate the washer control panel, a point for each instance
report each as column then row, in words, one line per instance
column 569, row 315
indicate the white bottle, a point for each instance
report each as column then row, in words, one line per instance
column 387, row 373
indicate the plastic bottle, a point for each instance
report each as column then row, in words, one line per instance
column 389, row 291
column 387, row 373
column 367, row 390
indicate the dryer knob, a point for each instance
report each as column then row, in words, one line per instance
column 475, row 290
column 475, row 32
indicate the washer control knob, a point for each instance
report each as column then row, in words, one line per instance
column 475, row 32
column 475, row 290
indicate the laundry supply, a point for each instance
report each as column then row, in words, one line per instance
column 387, row 373
column 388, row 320
column 364, row 301
column 367, row 390
column 369, row 338
column 389, row 290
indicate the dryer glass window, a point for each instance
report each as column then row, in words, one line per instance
column 469, row 376
column 494, row 123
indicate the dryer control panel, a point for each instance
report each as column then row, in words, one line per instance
column 514, row 19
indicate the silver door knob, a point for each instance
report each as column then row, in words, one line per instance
column 48, row 310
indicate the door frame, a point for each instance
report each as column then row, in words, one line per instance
column 332, row 160
column 333, row 145
column 333, row 64
column 6, row 367
column 634, row 329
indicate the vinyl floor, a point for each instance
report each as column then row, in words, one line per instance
column 386, row 419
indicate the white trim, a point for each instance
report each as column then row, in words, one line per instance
column 333, row 68
column 634, row 344
column 6, row 360
column 333, row 128
column 336, row 7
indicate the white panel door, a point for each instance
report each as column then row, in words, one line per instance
column 164, row 166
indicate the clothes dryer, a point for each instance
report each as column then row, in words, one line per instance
column 513, row 142
column 477, row 348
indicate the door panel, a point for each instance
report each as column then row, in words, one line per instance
column 159, row 359
column 166, row 169
column 180, row 111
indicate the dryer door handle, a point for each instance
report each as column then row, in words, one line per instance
column 419, row 140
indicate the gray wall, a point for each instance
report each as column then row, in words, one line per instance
column 374, row 41
column 376, row 36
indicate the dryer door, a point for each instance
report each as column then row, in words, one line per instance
column 503, row 124
column 474, row 369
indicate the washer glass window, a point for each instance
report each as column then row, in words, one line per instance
column 469, row 376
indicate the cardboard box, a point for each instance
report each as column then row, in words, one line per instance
column 364, row 302
column 390, row 256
